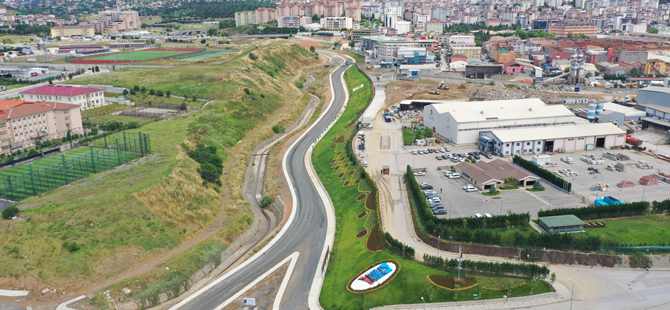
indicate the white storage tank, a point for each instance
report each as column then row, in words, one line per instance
column 599, row 109
column 591, row 115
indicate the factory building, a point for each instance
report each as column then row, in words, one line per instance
column 654, row 101
column 460, row 122
column 547, row 139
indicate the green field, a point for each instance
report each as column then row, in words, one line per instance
column 45, row 174
column 636, row 231
column 139, row 55
column 205, row 56
column 350, row 254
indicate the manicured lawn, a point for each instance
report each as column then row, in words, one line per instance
column 350, row 254
column 650, row 230
column 139, row 55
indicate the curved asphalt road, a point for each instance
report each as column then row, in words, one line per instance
column 306, row 234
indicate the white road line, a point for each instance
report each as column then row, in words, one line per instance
column 63, row 306
column 273, row 241
column 293, row 257
column 317, row 282
column 536, row 197
column 287, row 277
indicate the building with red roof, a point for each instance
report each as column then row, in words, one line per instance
column 84, row 97
column 22, row 123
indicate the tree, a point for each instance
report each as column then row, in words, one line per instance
column 428, row 132
column 125, row 92
column 51, row 82
column 212, row 32
column 247, row 91
column 183, row 106
column 511, row 181
column 552, row 277
column 203, row 41
column 94, row 131
column 71, row 246
column 133, row 125
column 96, row 69
column 316, row 18
column 58, row 38
column 10, row 212
column 570, row 35
column 337, row 43
column 136, row 88
column 566, row 70
column 538, row 185
column 143, row 89
column 112, row 125
column 159, row 93
column 252, row 56
column 634, row 72
column 278, row 128
column 465, row 223
column 152, row 92
column 167, row 94
column 312, row 48
column 266, row 201
column 132, row 92
column 653, row 30
column 352, row 43
column 195, row 98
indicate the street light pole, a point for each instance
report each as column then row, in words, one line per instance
column 643, row 193
column 572, row 292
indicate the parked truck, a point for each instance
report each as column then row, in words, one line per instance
column 434, row 92
column 387, row 112
column 607, row 201
column 633, row 141
column 361, row 146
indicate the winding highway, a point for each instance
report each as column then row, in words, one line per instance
column 305, row 233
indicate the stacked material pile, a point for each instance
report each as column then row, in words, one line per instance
column 625, row 184
column 649, row 180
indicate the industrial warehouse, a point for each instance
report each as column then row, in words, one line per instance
column 461, row 121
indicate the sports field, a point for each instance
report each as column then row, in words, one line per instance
column 141, row 55
column 19, row 182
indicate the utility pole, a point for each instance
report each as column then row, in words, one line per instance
column 46, row 51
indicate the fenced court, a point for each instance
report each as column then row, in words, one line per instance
column 141, row 55
column 36, row 177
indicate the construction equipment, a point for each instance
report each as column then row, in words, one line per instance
column 633, row 141
column 434, row 92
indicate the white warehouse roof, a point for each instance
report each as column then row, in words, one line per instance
column 627, row 111
column 551, row 133
column 452, row 106
column 511, row 114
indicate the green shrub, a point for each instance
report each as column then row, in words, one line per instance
column 71, row 246
column 266, row 201
column 10, row 212
column 278, row 128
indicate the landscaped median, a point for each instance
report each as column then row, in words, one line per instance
column 354, row 196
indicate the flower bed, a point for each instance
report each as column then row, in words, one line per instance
column 362, row 215
column 362, row 234
column 374, row 243
column 449, row 282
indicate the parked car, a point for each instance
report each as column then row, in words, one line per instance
column 440, row 212
column 360, row 154
column 469, row 188
column 426, row 186
column 476, row 156
column 426, row 192
column 414, row 152
column 448, row 173
column 445, row 157
column 430, row 150
column 431, row 195
column 420, row 152
column 435, row 200
column 487, row 214
column 365, row 164
column 419, row 173
column 447, row 149
column 455, row 176
column 442, row 150
column 487, row 155
column 478, row 215
column 438, row 157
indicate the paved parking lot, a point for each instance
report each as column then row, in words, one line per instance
column 460, row 203
column 583, row 183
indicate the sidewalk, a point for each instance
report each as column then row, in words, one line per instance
column 561, row 294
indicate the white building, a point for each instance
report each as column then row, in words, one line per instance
column 460, row 122
column 84, row 97
column 390, row 21
column 420, row 19
column 634, row 28
column 434, row 26
column 403, row 27
column 293, row 21
column 547, row 139
column 337, row 23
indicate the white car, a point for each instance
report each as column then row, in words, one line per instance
column 442, row 151
column 435, row 200
column 415, row 152
column 365, row 164
column 428, row 192
column 469, row 188
column 455, row 176
column 487, row 214
column 360, row 154
column 478, row 215
column 419, row 173
column 448, row 173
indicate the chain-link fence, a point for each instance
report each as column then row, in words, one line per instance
column 23, row 181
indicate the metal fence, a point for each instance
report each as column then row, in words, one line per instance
column 23, row 181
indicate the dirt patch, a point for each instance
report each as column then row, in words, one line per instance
column 362, row 234
column 340, row 139
column 451, row 282
column 374, row 243
column 264, row 292
column 362, row 215
column 370, row 203
column 307, row 44
column 361, row 197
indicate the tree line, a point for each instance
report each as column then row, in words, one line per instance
column 609, row 211
column 398, row 247
column 202, row 10
column 558, row 241
column 543, row 173
column 522, row 270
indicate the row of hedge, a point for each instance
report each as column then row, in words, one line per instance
column 543, row 173
column 398, row 247
column 610, row 211
column 558, row 241
column 434, row 223
column 504, row 269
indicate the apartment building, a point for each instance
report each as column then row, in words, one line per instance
column 287, row 10
column 562, row 29
column 265, row 15
column 435, row 26
column 336, row 23
column 69, row 31
column 245, row 18
column 471, row 52
column 117, row 21
column 22, row 122
column 354, row 13
column 333, row 9
column 656, row 67
column 84, row 97
column 403, row 27
column 294, row 21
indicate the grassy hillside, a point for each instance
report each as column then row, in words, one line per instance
column 138, row 211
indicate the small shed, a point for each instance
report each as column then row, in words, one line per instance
column 561, row 223
column 513, row 67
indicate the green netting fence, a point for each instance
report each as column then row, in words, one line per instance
column 39, row 176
